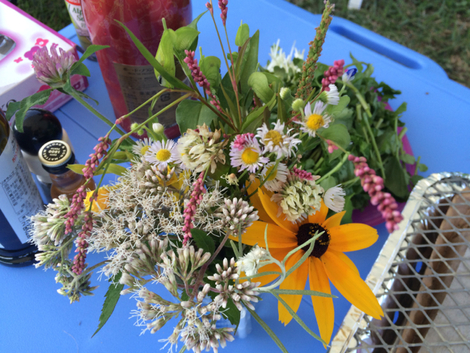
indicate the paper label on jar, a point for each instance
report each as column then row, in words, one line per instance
column 139, row 84
column 76, row 14
column 19, row 196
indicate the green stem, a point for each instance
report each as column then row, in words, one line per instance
column 374, row 144
column 74, row 94
column 335, row 169
column 234, row 81
column 350, row 182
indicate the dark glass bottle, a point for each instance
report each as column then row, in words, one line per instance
column 55, row 156
column 19, row 200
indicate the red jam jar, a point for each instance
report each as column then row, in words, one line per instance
column 130, row 79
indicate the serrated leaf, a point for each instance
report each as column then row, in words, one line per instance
column 112, row 297
column 202, row 240
column 20, row 109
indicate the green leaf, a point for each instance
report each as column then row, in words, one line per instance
column 190, row 114
column 337, row 133
column 356, row 63
column 202, row 240
column 89, row 51
column 20, row 109
column 185, row 36
column 243, row 34
column 329, row 182
column 407, row 158
column 231, row 313
column 395, row 179
column 259, row 82
column 298, row 319
column 210, row 67
column 267, row 329
column 165, row 54
column 80, row 69
column 194, row 26
column 113, row 168
column 401, row 109
column 251, row 64
column 348, row 207
column 253, row 120
column 112, row 296
column 152, row 61
column 416, row 178
column 338, row 109
column 422, row 167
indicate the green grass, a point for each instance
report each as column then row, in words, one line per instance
column 439, row 29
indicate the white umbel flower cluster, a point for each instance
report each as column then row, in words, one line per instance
column 251, row 261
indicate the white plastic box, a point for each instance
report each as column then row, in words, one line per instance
column 20, row 37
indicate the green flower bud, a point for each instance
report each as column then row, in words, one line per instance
column 285, row 93
column 298, row 105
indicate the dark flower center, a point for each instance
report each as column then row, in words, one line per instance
column 307, row 231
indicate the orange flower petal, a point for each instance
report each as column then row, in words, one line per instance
column 272, row 209
column 351, row 237
column 323, row 307
column 350, row 284
column 256, row 202
column 346, row 260
column 277, row 236
column 334, row 220
column 319, row 216
column 296, row 280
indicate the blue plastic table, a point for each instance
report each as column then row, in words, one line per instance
column 34, row 318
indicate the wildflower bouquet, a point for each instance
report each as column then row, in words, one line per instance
column 228, row 212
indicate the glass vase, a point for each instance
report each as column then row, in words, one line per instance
column 129, row 78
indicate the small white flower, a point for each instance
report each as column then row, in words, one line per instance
column 334, row 198
column 249, row 157
column 332, row 96
column 312, row 121
column 277, row 141
column 162, row 153
column 279, row 58
column 250, row 262
column 141, row 147
column 275, row 178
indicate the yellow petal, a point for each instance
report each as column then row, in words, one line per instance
column 323, row 307
column 351, row 237
column 350, row 285
column 320, row 215
column 346, row 260
column 277, row 236
column 256, row 202
column 272, row 209
column 334, row 220
column 296, row 280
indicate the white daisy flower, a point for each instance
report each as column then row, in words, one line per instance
column 332, row 96
column 312, row 121
column 275, row 178
column 141, row 147
column 162, row 153
column 276, row 141
column 334, row 198
column 249, row 156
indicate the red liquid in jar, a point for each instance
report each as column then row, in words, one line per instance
column 144, row 19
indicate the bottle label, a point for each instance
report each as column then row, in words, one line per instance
column 19, row 197
column 139, row 84
column 76, row 15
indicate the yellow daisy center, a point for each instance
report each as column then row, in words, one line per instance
column 315, row 121
column 250, row 156
column 144, row 150
column 273, row 174
column 274, row 136
column 307, row 231
column 163, row 155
